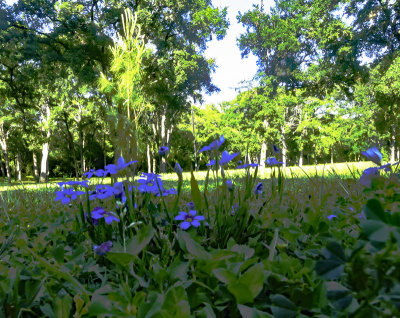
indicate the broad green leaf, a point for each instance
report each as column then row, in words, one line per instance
column 250, row 312
column 329, row 269
column 63, row 306
column 224, row 275
column 374, row 211
column 375, row 230
column 138, row 242
column 192, row 246
column 283, row 307
column 333, row 250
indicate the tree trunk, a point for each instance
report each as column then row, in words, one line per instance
column 148, row 158
column 4, row 148
column 332, row 156
column 284, row 147
column 3, row 171
column 393, row 144
column 301, row 158
column 263, row 154
column 154, row 164
column 163, row 164
column 35, row 167
column 398, row 153
column 194, row 142
column 19, row 167
column 82, row 142
column 44, row 167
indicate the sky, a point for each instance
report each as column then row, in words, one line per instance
column 231, row 68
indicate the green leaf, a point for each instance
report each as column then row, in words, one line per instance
column 58, row 254
column 250, row 312
column 374, row 211
column 282, row 307
column 140, row 241
column 122, row 259
column 195, row 191
column 249, row 285
column 63, row 306
column 329, row 269
column 375, row 230
column 176, row 304
column 333, row 250
column 224, row 275
column 192, row 246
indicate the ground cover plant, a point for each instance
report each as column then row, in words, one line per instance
column 248, row 248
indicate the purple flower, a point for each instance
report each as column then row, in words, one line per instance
column 178, row 169
column 67, row 195
column 368, row 175
column 163, row 151
column 272, row 161
column 121, row 165
column 214, row 145
column 247, row 165
column 229, row 185
column 226, row 157
column 89, row 174
column 189, row 219
column 259, row 188
column 101, row 173
column 330, row 217
column 103, row 248
column 83, row 183
column 102, row 192
column 235, row 208
column 99, row 213
column 374, row 155
column 190, row 205
column 211, row 163
column 148, row 183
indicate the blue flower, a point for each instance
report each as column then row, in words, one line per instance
column 102, row 192
column 368, row 175
column 67, row 195
column 374, row 155
column 178, row 169
column 189, row 219
column 259, row 188
column 89, row 173
column 103, row 248
column 226, row 157
column 235, row 208
column 211, row 163
column 101, row 173
column 83, row 183
column 163, row 151
column 330, row 217
column 247, row 165
column 229, row 185
column 121, row 165
column 148, row 183
column 214, row 145
column 190, row 205
column 272, row 161
column 99, row 213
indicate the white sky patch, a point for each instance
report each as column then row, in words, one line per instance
column 231, row 68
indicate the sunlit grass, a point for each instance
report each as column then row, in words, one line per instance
column 342, row 170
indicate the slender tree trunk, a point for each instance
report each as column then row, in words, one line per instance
column 154, row 164
column 398, row 153
column 82, row 142
column 44, row 170
column 3, row 171
column 194, row 142
column 4, row 148
column 284, row 147
column 301, row 158
column 393, row 144
column 35, row 167
column 331, row 155
column 44, row 166
column 163, row 164
column 19, row 167
column 104, row 150
column 148, row 158
column 263, row 154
